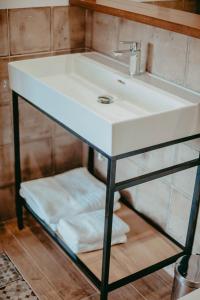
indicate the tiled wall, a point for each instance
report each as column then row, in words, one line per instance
column 174, row 57
column 170, row 55
column 46, row 149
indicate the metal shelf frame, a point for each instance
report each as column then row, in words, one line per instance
column 103, row 285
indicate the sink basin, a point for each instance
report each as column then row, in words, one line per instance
column 142, row 112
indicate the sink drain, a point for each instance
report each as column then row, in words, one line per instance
column 105, row 99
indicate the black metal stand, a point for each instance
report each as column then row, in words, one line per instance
column 104, row 286
column 18, row 200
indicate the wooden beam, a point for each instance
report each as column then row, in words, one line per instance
column 162, row 17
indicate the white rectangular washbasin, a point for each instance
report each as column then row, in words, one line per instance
column 143, row 112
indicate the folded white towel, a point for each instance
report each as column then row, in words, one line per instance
column 84, row 247
column 85, row 232
column 33, row 205
column 65, row 195
column 47, row 198
column 85, row 189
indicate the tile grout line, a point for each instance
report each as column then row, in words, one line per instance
column 8, row 35
column 45, row 53
column 53, row 149
column 51, row 28
column 187, row 62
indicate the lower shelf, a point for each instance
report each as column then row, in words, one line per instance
column 145, row 247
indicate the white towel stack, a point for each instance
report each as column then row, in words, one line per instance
column 72, row 203
column 65, row 195
column 85, row 232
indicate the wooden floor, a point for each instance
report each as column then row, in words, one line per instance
column 53, row 276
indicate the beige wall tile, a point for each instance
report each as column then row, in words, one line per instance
column 156, row 159
column 125, row 169
column 77, row 25
column 152, row 199
column 5, row 93
column 68, row 153
column 6, row 165
column 33, row 124
column 7, row 203
column 68, row 28
column 193, row 70
column 36, row 159
column 105, row 33
column 29, row 30
column 178, row 216
column 4, row 48
column 168, row 55
column 194, row 145
column 133, row 31
column 184, row 181
column 6, row 129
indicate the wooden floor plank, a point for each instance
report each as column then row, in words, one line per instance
column 153, row 287
column 27, row 267
column 164, row 277
column 125, row 293
column 145, row 247
column 66, row 280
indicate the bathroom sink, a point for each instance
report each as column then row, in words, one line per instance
column 135, row 113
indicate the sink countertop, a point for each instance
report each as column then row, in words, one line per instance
column 145, row 110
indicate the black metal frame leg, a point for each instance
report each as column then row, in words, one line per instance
column 91, row 160
column 18, row 199
column 111, row 172
column 193, row 214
